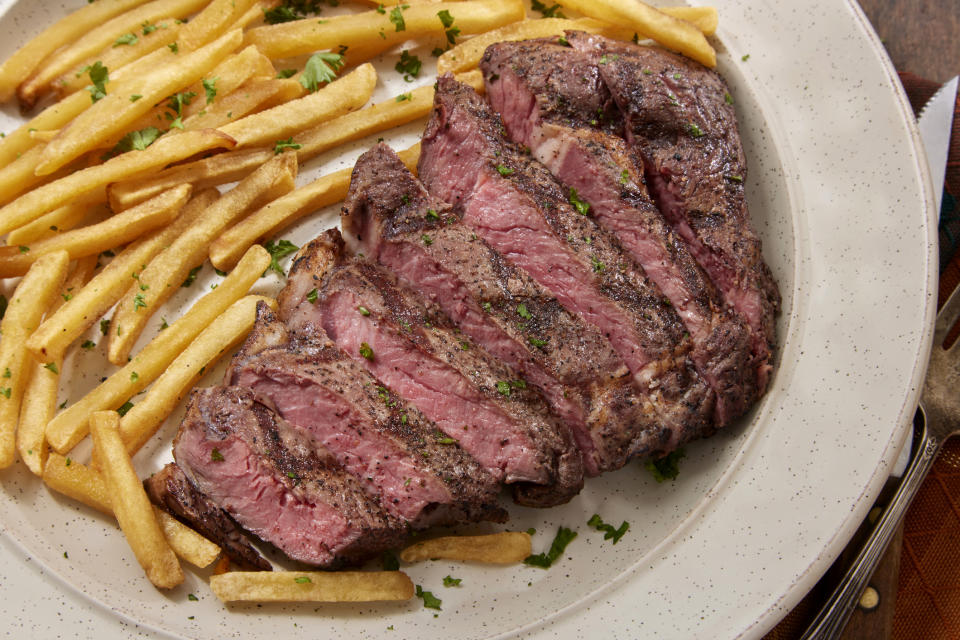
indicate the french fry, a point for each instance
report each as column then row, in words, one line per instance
column 340, row 96
column 215, row 18
column 130, row 503
column 467, row 54
column 161, row 277
column 68, row 323
column 648, row 22
column 228, row 330
column 71, row 425
column 202, row 174
column 704, row 18
column 311, row 586
column 83, row 484
column 284, row 211
column 95, row 40
column 96, row 238
column 300, row 37
column 21, row 64
column 19, row 176
column 166, row 150
column 65, row 218
column 40, row 396
column 507, row 547
column 110, row 115
column 34, row 293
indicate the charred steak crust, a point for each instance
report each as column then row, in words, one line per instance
column 170, row 490
column 514, row 203
column 680, row 119
column 553, row 100
column 474, row 399
column 277, row 484
column 390, row 448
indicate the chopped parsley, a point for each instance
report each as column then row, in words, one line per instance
column 609, row 532
column 216, row 456
column 139, row 302
column 547, row 12
column 745, row 57
column 127, row 38
column 522, row 311
column 396, row 17
column 210, row 88
column 163, row 324
column 191, row 277
column 99, row 76
column 450, row 31
column 278, row 250
column 408, row 65
column 173, row 46
column 667, row 467
column 104, row 326
column 728, row 98
column 175, row 104
column 404, row 96
column 135, row 97
column 430, row 601
column 134, row 376
column 280, row 14
column 302, row 580
column 281, row 145
column 624, row 177
column 312, row 296
column 7, row 373
column 51, row 366
column 503, row 388
column 537, row 342
column 443, row 438
column 5, row 392
column 449, row 581
column 427, row 240
column 597, row 265
column 733, row 177
column 137, row 140
column 321, row 67
column 363, row 310
column 88, row 344
column 581, row 206
column 124, row 408
column 504, row 170
column 487, row 307
column 431, row 215
column 149, row 27
column 366, row 351
column 286, row 73
column 24, row 249
column 192, row 598
column 544, row 560
column 694, row 130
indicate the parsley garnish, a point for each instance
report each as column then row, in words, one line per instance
column 363, row 310
column 581, row 206
column 279, row 250
column 522, row 311
column 312, row 296
column 124, row 408
column 547, row 12
column 667, row 467
column 403, row 96
column 431, row 215
column 139, row 302
column 302, row 580
column 504, row 170
column 210, row 88
column 5, row 392
column 148, row 27
column 280, row 145
column 134, row 376
column 449, row 581
column 610, row 533
column 216, row 456
column 408, row 65
column 366, row 351
column 728, row 98
column 127, row 38
column 286, row 73
column 537, row 342
column 503, row 388
column 163, row 324
column 99, row 76
column 694, row 130
column 321, row 67
column 544, row 560
column 88, row 344
column 173, row 46
column 135, row 97
column 192, row 598
column 733, row 178
column 137, row 140
column 427, row 240
column 104, row 326
column 597, row 265
column 429, row 600
column 396, row 17
column 451, row 31
column 24, row 248
column 191, row 277
column 279, row 14
column 624, row 177
column 51, row 366
column 745, row 57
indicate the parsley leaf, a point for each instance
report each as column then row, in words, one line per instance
column 610, row 533
column 503, row 388
column 210, row 87
column 544, row 560
column 279, row 14
column 321, row 67
column 312, row 296
column 51, row 366
column 396, row 17
column 99, row 76
column 137, row 140
column 127, row 38
column 408, row 65
column 88, row 344
column 504, row 170
column 191, row 277
column 278, row 250
column 694, row 130
column 403, row 96
column 286, row 73
column 302, row 580
column 429, row 600
column 449, row 581
column 547, row 12
column 522, row 311
column 139, row 302
column 581, row 206
column 667, row 467
column 451, row 31
column 366, row 351
column 216, row 456
column 280, row 145
column 104, row 326
column 124, row 408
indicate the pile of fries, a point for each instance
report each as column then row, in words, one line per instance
column 145, row 122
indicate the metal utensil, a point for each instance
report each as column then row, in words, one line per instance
column 940, row 409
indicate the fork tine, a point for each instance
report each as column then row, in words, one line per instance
column 947, row 317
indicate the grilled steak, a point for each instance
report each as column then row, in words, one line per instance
column 170, row 490
column 552, row 99
column 680, row 119
column 391, row 449
column 476, row 402
column 386, row 215
column 278, row 484
column 513, row 203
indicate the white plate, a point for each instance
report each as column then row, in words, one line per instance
column 841, row 197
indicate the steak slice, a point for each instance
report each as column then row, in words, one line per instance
column 552, row 100
column 679, row 117
column 391, row 450
column 386, row 214
column 276, row 483
column 170, row 490
column 474, row 400
column 515, row 205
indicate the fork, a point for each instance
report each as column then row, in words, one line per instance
column 940, row 409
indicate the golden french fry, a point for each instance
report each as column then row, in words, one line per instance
column 311, row 586
column 40, row 397
column 705, row 19
column 71, row 425
column 130, row 503
column 86, row 241
column 246, row 99
column 33, row 294
column 166, row 150
column 83, row 484
column 57, row 221
column 19, row 176
column 163, row 275
column 55, row 334
column 214, row 19
column 96, row 39
column 340, row 96
column 300, row 37
column 507, row 547
column 18, row 67
column 228, row 330
column 202, row 174
column 467, row 54
column 110, row 115
column 648, row 22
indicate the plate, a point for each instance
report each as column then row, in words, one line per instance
column 841, row 197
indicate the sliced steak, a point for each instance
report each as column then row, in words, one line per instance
column 414, row 350
column 513, row 203
column 552, row 100
column 278, row 484
column 419, row 475
column 170, row 490
column 386, row 215
column 679, row 117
